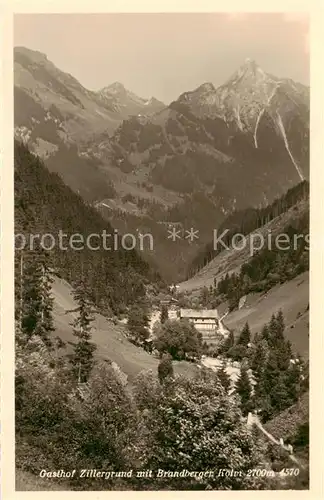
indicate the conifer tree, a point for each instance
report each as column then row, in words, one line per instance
column 273, row 331
column 138, row 323
column 262, row 400
column 82, row 359
column 284, row 354
column 30, row 298
column 164, row 313
column 271, row 372
column 33, row 299
column 165, row 367
column 280, row 397
column 19, row 271
column 280, row 322
column 245, row 336
column 260, row 357
column 265, row 333
column 223, row 377
column 45, row 324
column 228, row 343
column 277, row 328
column 293, row 380
column 204, row 295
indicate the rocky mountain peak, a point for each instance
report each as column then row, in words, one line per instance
column 250, row 64
column 206, row 87
column 249, row 73
column 154, row 103
column 114, row 88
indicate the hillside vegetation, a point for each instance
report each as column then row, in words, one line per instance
column 247, row 221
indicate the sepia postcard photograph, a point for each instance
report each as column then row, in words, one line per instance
column 161, row 261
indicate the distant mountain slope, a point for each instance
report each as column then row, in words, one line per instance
column 192, row 163
column 84, row 111
column 127, row 103
column 253, row 129
column 240, row 145
column 230, row 260
column 54, row 114
column 248, row 220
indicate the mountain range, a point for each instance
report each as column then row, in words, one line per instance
column 149, row 166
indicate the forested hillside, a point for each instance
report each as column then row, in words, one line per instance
column 248, row 220
column 44, row 204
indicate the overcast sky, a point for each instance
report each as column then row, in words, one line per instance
column 166, row 54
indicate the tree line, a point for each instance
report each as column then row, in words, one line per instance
column 265, row 269
column 280, row 377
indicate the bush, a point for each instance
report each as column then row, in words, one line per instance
column 57, row 425
column 180, row 339
column 165, row 368
column 137, row 323
column 196, row 426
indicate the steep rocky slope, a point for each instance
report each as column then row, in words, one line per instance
column 83, row 112
column 54, row 114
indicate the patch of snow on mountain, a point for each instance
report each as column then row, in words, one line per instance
column 282, row 129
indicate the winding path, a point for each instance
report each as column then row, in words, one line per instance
column 254, row 419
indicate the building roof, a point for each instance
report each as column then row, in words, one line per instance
column 203, row 313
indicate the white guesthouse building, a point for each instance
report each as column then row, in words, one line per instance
column 206, row 321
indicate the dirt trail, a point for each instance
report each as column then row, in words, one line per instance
column 254, row 419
